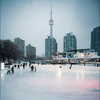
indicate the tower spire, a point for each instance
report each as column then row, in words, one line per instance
column 51, row 22
column 51, row 10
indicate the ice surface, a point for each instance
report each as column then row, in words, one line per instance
column 50, row 82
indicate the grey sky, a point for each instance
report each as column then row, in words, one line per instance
column 29, row 20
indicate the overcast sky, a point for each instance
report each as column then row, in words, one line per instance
column 29, row 20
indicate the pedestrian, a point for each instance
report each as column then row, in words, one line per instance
column 8, row 70
column 70, row 66
column 12, row 69
column 35, row 68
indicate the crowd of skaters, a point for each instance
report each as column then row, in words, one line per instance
column 12, row 67
column 31, row 65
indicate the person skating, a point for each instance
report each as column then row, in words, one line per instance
column 32, row 68
column 8, row 70
column 14, row 65
column 12, row 69
column 24, row 65
column 35, row 69
column 60, row 67
column 84, row 64
column 18, row 66
column 70, row 66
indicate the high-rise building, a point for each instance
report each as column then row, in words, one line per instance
column 30, row 52
column 69, row 42
column 21, row 46
column 50, row 46
column 95, row 40
column 50, row 42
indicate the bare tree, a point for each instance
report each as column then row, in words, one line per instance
column 8, row 50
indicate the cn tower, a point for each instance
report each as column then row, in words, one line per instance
column 50, row 42
column 51, row 22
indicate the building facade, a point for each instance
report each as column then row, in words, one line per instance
column 95, row 40
column 21, row 46
column 50, row 42
column 77, row 56
column 30, row 52
column 50, row 46
column 69, row 42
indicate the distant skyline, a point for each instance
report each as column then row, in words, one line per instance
column 29, row 20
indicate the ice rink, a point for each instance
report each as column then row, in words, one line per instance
column 50, row 82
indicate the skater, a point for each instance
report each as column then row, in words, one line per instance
column 35, row 68
column 97, row 65
column 32, row 68
column 60, row 67
column 15, row 65
column 12, row 69
column 70, row 66
column 8, row 71
column 18, row 66
column 24, row 65
column 84, row 64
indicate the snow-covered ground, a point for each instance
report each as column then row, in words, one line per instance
column 50, row 82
